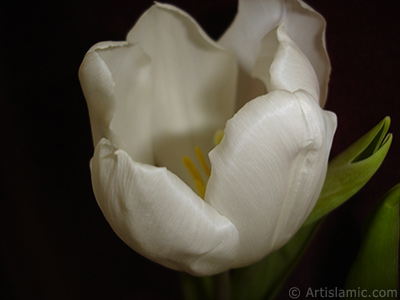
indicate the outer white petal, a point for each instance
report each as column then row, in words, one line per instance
column 194, row 84
column 159, row 216
column 116, row 82
column 256, row 18
column 268, row 171
column 281, row 65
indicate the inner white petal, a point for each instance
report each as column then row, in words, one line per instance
column 281, row 65
column 194, row 83
column 130, row 69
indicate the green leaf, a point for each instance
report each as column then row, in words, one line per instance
column 376, row 265
column 352, row 169
column 263, row 280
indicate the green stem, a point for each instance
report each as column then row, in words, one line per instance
column 223, row 289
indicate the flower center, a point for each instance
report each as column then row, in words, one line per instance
column 200, row 183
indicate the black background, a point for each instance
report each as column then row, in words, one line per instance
column 55, row 243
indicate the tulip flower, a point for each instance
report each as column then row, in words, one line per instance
column 167, row 90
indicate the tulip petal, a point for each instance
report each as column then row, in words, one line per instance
column 282, row 65
column 116, row 82
column 256, row 18
column 269, row 169
column 159, row 216
column 194, row 84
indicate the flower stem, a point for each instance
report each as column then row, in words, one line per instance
column 223, row 289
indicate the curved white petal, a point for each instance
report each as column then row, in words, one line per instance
column 159, row 216
column 268, row 170
column 282, row 66
column 194, row 84
column 256, row 18
column 115, row 79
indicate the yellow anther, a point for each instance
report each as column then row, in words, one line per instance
column 202, row 160
column 194, row 172
column 218, row 136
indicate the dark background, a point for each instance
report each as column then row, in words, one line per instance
column 55, row 243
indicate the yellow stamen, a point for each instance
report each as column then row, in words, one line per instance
column 218, row 136
column 202, row 160
column 194, row 172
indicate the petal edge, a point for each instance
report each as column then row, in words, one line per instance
column 159, row 216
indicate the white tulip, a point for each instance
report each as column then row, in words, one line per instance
column 169, row 88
